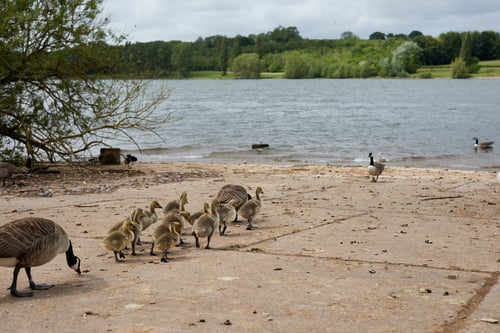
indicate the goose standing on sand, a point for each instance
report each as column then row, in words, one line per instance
column 166, row 239
column 483, row 144
column 132, row 223
column 252, row 207
column 198, row 214
column 227, row 213
column 30, row 242
column 233, row 192
column 206, row 224
column 148, row 217
column 7, row 170
column 182, row 217
column 118, row 240
column 177, row 205
column 375, row 168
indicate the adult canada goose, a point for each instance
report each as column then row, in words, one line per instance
column 178, row 205
column 252, row 207
column 233, row 192
column 7, row 170
column 166, row 239
column 30, row 242
column 118, row 240
column 227, row 212
column 206, row 224
column 375, row 168
column 483, row 144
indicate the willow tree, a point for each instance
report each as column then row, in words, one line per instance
column 52, row 103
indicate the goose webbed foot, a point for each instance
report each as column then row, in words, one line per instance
column 164, row 258
column 17, row 293
column 119, row 256
column 34, row 286
column 249, row 226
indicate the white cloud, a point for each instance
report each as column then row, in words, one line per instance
column 148, row 20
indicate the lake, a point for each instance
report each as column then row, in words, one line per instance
column 414, row 123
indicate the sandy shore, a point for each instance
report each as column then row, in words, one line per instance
column 418, row 251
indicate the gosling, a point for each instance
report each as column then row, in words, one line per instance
column 118, row 240
column 176, row 205
column 166, row 238
column 183, row 217
column 252, row 208
column 227, row 212
column 206, row 225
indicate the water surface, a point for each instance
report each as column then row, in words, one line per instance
column 421, row 123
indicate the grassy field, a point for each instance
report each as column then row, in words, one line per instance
column 488, row 69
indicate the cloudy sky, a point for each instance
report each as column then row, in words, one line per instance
column 186, row 20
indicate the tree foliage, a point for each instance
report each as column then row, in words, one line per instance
column 51, row 105
column 348, row 56
column 459, row 69
column 405, row 58
column 247, row 66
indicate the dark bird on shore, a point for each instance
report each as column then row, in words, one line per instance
column 30, row 242
column 129, row 159
column 7, row 170
column 375, row 168
column 483, row 144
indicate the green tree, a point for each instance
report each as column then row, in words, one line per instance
column 296, row 66
column 236, row 50
column 49, row 102
column 471, row 63
column 223, row 56
column 405, row 58
column 247, row 66
column 182, row 59
column 377, row 36
column 459, row 69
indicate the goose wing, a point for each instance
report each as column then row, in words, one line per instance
column 33, row 240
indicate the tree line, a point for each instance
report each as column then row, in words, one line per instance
column 285, row 50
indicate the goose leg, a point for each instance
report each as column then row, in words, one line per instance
column 197, row 240
column 33, row 285
column 133, row 250
column 13, row 286
column 152, row 247
column 164, row 258
column 208, row 242
column 222, row 230
column 249, row 226
column 120, row 254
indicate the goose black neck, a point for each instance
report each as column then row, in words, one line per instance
column 371, row 159
column 71, row 259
